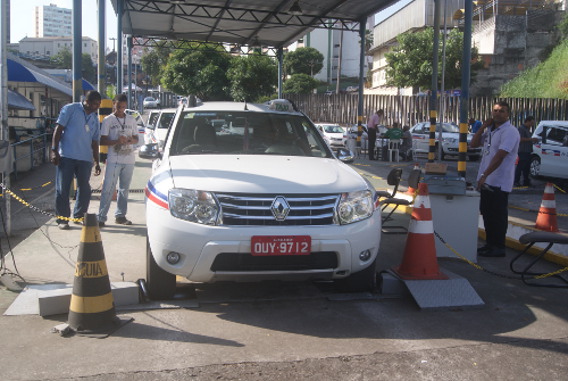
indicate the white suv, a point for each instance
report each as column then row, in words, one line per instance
column 550, row 154
column 259, row 197
column 159, row 122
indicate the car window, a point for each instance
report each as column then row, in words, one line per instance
column 153, row 118
column 166, row 119
column 333, row 129
column 247, row 133
column 556, row 136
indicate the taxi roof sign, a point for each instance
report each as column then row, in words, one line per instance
column 280, row 105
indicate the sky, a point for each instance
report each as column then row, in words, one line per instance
column 24, row 10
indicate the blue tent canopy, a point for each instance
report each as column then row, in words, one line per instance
column 18, row 101
column 21, row 71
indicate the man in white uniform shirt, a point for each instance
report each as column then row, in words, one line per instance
column 120, row 132
column 500, row 140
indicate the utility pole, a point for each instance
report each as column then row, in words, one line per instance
column 113, row 39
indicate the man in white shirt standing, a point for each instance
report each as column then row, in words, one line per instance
column 500, row 140
column 120, row 132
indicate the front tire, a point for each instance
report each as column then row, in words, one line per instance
column 362, row 281
column 161, row 284
column 535, row 166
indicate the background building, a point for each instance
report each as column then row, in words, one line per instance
column 340, row 50
column 52, row 21
column 47, row 47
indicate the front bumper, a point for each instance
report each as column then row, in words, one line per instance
column 215, row 253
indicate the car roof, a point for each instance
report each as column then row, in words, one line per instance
column 238, row 106
column 560, row 123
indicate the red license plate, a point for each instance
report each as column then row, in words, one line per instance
column 281, row 245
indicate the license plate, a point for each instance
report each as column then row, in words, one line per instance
column 269, row 245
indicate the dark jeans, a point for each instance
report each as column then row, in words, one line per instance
column 372, row 138
column 493, row 208
column 523, row 168
column 64, row 174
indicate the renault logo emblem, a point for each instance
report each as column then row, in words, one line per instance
column 280, row 208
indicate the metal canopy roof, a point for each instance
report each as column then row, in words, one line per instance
column 244, row 22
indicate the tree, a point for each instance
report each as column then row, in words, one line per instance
column 200, row 70
column 252, row 77
column 64, row 60
column 300, row 84
column 153, row 63
column 88, row 69
column 303, row 61
column 410, row 63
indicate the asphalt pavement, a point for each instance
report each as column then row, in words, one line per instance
column 279, row 331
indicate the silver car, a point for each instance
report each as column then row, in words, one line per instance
column 450, row 140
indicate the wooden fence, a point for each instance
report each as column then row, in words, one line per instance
column 409, row 110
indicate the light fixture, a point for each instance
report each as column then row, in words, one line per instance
column 295, row 9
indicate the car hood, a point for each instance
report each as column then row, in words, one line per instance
column 264, row 174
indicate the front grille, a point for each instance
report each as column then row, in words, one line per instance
column 247, row 262
column 255, row 209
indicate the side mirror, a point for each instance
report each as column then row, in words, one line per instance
column 149, row 151
column 344, row 155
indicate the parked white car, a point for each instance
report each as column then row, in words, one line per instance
column 159, row 122
column 550, row 154
column 450, row 140
column 262, row 197
column 332, row 134
column 150, row 102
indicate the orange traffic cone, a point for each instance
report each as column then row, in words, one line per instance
column 91, row 310
column 546, row 219
column 419, row 261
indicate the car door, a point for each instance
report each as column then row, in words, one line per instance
column 420, row 138
column 554, row 157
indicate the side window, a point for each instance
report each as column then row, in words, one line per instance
column 556, row 135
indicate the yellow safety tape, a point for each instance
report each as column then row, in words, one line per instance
column 91, row 304
column 542, row 276
column 35, row 208
column 31, row 189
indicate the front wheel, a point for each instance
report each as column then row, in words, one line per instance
column 535, row 166
column 161, row 284
column 362, row 281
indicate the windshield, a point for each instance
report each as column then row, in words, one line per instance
column 446, row 127
column 247, row 133
column 333, row 129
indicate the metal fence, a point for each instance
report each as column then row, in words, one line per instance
column 409, row 110
column 29, row 152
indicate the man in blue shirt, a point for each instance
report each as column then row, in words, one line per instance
column 474, row 125
column 74, row 146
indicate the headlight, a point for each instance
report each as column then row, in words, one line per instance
column 355, row 206
column 450, row 140
column 193, row 205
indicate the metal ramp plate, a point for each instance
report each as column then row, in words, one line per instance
column 448, row 293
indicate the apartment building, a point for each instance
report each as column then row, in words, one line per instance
column 52, row 21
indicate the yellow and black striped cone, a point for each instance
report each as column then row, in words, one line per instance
column 92, row 305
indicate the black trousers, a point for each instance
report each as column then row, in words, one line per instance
column 523, row 168
column 372, row 138
column 493, row 208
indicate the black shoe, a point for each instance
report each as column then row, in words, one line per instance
column 492, row 253
column 122, row 221
column 101, row 224
column 483, row 249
